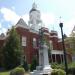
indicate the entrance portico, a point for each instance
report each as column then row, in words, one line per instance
column 57, row 56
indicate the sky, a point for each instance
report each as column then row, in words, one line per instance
column 51, row 10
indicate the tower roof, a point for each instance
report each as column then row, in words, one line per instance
column 2, row 36
column 22, row 23
column 34, row 7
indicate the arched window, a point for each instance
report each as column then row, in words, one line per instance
column 34, row 43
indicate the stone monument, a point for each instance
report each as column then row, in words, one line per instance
column 44, row 68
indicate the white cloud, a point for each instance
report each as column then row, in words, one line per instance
column 0, row 26
column 3, row 30
column 26, row 18
column 68, row 26
column 9, row 15
column 48, row 18
column 0, row 31
column 13, row 7
column 9, row 26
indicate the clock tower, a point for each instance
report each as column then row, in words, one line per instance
column 34, row 18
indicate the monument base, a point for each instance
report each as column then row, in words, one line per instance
column 46, row 70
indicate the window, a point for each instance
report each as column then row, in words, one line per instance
column 23, row 41
column 51, row 45
column 34, row 43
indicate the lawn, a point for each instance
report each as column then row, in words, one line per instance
column 4, row 73
column 7, row 73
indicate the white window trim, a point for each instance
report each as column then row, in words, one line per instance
column 24, row 40
column 34, row 43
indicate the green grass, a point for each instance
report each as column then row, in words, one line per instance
column 4, row 73
column 8, row 72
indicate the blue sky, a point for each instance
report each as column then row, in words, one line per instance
column 51, row 10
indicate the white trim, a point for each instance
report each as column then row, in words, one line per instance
column 34, row 43
column 56, row 52
column 24, row 41
column 46, row 33
column 2, row 38
column 53, row 32
column 33, row 31
column 53, row 36
column 18, row 25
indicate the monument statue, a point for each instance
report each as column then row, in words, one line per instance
column 44, row 68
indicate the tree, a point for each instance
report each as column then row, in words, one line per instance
column 72, row 42
column 1, row 58
column 12, row 50
column 33, row 64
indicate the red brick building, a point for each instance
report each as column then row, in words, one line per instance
column 29, row 35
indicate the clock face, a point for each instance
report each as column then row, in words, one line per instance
column 35, row 16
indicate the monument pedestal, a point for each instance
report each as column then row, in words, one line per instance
column 45, row 68
column 45, row 71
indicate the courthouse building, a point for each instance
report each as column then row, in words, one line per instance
column 29, row 35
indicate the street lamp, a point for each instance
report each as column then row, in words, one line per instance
column 64, row 50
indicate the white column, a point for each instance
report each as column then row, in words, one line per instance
column 45, row 55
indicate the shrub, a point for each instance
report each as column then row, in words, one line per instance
column 33, row 64
column 61, row 72
column 57, row 66
column 54, row 72
column 17, row 71
column 25, row 66
column 71, row 69
column 58, row 72
column 72, row 65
